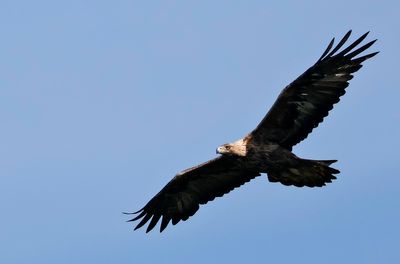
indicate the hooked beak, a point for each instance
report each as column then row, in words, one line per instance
column 219, row 150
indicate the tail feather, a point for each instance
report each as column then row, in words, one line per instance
column 310, row 173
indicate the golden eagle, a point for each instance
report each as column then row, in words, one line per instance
column 300, row 107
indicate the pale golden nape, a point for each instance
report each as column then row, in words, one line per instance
column 237, row 148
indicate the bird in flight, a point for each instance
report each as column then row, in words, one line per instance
column 299, row 108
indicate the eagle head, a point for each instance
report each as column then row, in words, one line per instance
column 237, row 148
column 224, row 149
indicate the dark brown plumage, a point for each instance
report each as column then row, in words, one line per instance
column 304, row 103
column 300, row 107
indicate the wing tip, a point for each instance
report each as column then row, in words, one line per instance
column 144, row 220
column 329, row 52
column 138, row 211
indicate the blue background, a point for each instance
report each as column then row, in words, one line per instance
column 102, row 102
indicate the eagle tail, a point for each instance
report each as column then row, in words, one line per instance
column 310, row 173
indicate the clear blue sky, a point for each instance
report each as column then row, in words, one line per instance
column 102, row 102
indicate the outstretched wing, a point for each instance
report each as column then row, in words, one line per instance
column 181, row 197
column 303, row 104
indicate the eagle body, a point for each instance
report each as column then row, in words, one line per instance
column 251, row 154
column 299, row 108
column 279, row 163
